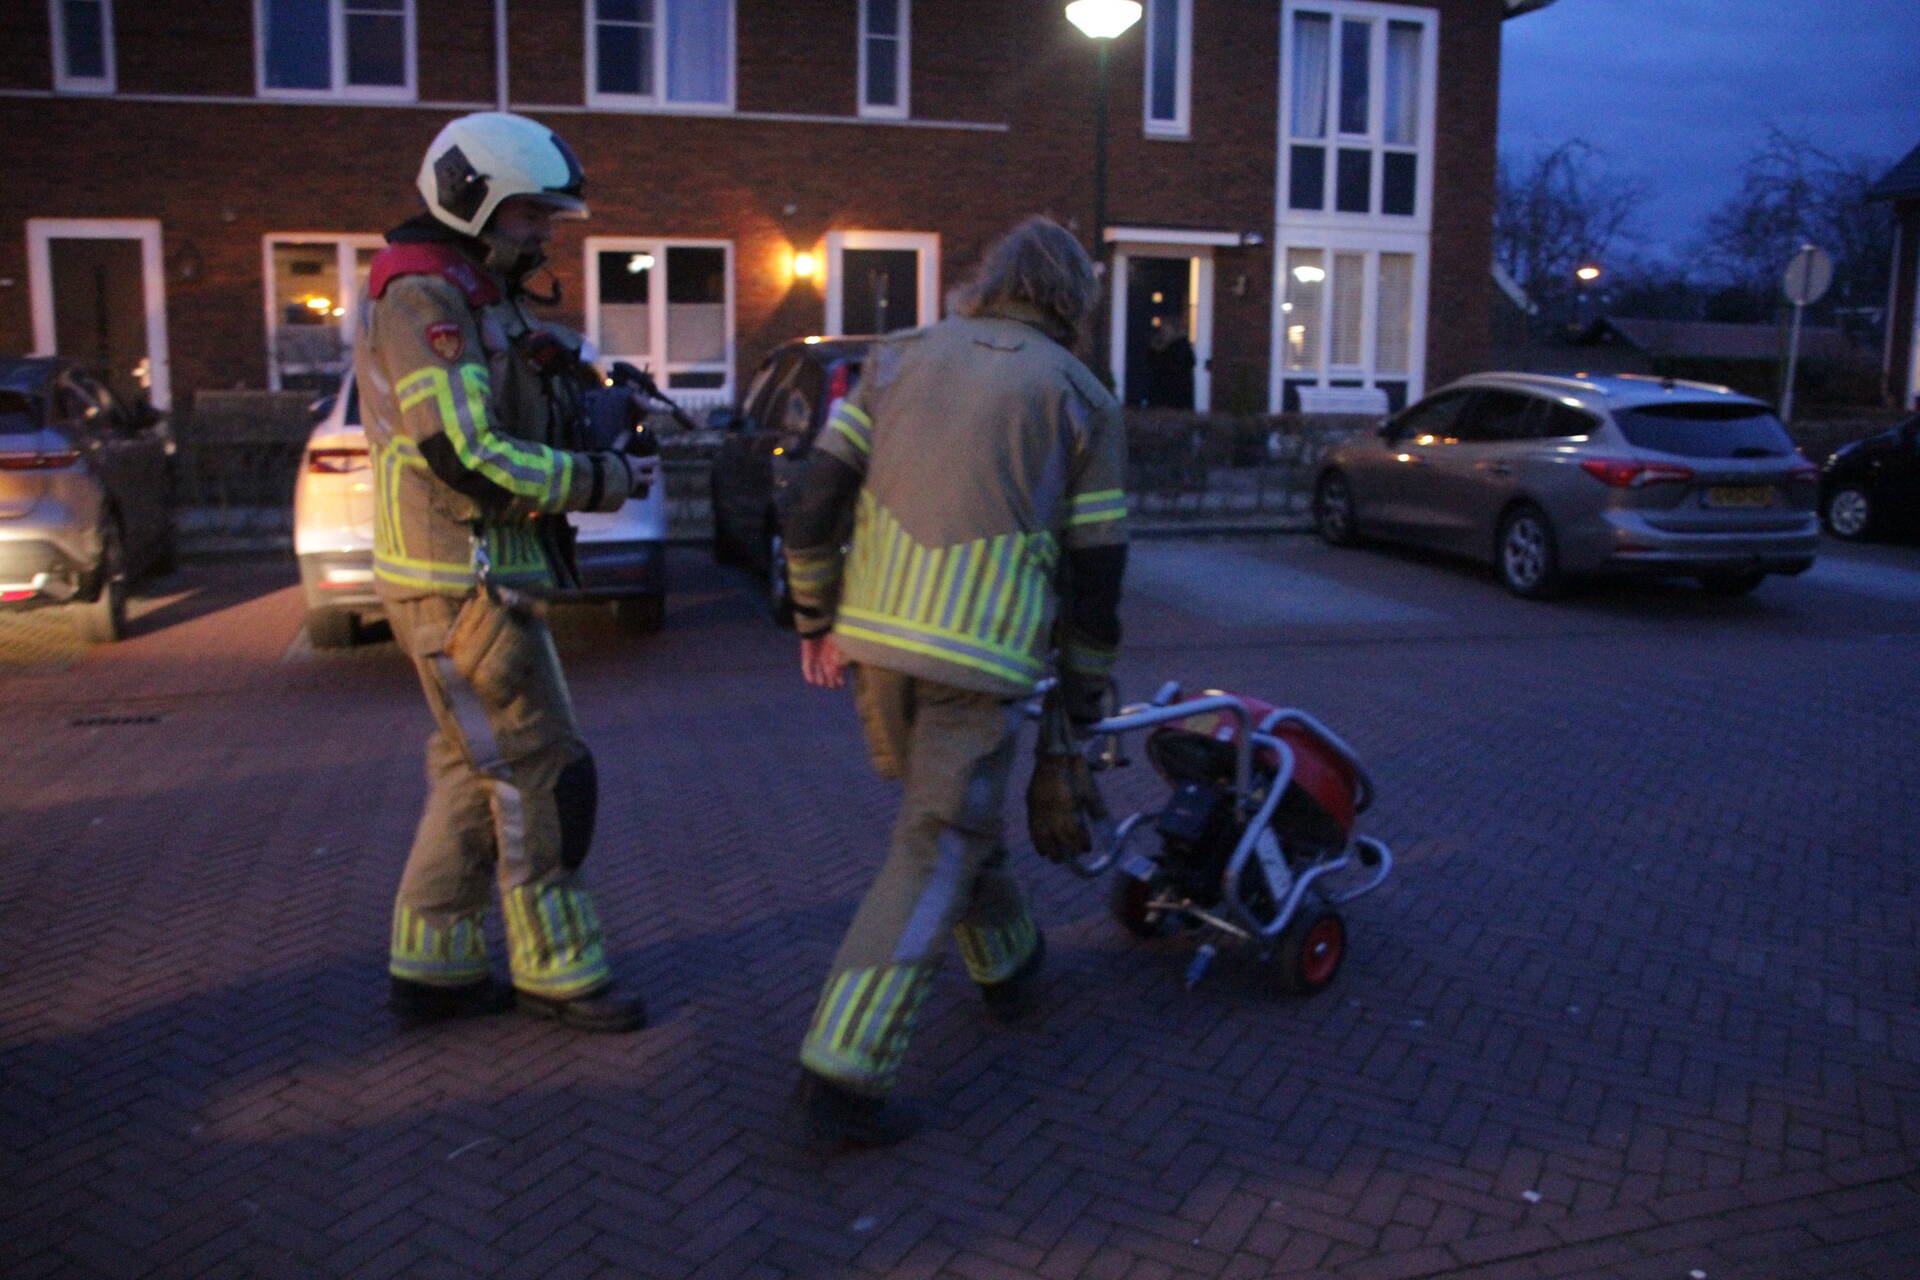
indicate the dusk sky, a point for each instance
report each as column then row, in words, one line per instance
column 1678, row 93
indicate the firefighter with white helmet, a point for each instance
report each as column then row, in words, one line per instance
column 474, row 415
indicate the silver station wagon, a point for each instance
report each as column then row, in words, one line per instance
column 1551, row 478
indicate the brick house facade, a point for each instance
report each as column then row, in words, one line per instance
column 1306, row 185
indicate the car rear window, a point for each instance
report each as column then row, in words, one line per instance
column 17, row 413
column 1706, row 430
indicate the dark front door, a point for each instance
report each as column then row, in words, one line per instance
column 879, row 290
column 1159, row 348
column 99, row 310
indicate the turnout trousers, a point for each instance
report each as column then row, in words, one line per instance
column 511, row 795
column 945, row 872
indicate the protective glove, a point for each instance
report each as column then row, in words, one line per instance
column 1061, row 798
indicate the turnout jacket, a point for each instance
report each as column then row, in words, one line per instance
column 973, row 454
column 467, row 407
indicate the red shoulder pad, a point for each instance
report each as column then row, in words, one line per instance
column 430, row 259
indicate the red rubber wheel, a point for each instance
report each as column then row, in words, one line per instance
column 1310, row 951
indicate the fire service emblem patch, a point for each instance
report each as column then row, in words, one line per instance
column 444, row 337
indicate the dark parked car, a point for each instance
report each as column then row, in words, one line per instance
column 1551, row 478
column 766, row 443
column 85, row 494
column 1871, row 487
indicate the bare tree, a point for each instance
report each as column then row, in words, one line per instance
column 1793, row 193
column 1555, row 213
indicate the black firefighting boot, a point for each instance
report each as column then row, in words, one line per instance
column 833, row 1117
column 415, row 1003
column 602, row 1009
column 1018, row 994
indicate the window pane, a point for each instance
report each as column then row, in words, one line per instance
column 696, row 306
column 1393, row 333
column 376, row 49
column 1307, row 184
column 1165, row 51
column 1349, row 298
column 1403, row 83
column 299, row 45
column 83, row 32
column 1306, row 279
column 883, row 72
column 1399, row 169
column 307, row 309
column 883, row 17
column 1354, row 68
column 623, row 59
column 1312, row 41
column 625, row 279
column 623, row 10
column 697, row 69
column 1353, row 190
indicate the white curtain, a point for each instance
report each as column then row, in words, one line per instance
column 1306, row 279
column 697, row 69
column 1403, row 83
column 1312, row 49
column 1393, row 333
column 1349, row 299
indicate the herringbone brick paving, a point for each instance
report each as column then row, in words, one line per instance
column 1639, row 1001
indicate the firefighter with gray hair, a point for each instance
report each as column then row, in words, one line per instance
column 979, row 464
column 479, row 424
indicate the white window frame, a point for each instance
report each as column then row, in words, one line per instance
column 346, row 248
column 1371, row 244
column 1181, row 125
column 655, row 361
column 41, row 232
column 1374, row 140
column 903, row 62
column 337, row 45
column 62, row 81
column 927, row 291
column 658, row 100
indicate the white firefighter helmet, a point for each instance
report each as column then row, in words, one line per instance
column 479, row 160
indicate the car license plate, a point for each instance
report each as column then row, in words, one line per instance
column 1740, row 495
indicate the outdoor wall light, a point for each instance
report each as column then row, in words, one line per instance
column 1308, row 274
column 804, row 266
column 1103, row 19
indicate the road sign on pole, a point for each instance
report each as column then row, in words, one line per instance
column 1807, row 278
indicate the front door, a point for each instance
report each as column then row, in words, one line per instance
column 880, row 290
column 1160, row 356
column 97, row 300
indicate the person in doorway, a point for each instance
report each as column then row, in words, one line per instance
column 473, row 416
column 979, row 463
column 1170, row 363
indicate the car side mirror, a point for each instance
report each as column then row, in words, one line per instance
column 1387, row 430
column 319, row 409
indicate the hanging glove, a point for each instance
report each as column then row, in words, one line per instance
column 1061, row 796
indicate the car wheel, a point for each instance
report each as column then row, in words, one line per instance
column 1333, row 511
column 641, row 615
column 1849, row 513
column 1731, row 582
column 779, row 591
column 1526, row 555
column 331, row 629
column 1309, row 951
column 103, row 619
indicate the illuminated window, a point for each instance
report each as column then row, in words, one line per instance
column 314, row 288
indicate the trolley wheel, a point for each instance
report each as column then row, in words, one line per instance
column 1309, row 951
column 1128, row 902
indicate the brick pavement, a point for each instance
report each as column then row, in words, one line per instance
column 1640, row 1000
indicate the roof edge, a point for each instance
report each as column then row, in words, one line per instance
column 1517, row 7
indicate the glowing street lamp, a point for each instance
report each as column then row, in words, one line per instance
column 1586, row 274
column 1102, row 21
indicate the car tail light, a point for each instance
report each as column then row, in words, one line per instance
column 336, row 461
column 7, row 597
column 1624, row 473
column 38, row 461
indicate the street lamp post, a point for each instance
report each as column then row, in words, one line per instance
column 1586, row 275
column 1102, row 21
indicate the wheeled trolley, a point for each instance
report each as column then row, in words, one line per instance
column 1255, row 842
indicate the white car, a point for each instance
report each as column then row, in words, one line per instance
column 622, row 553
